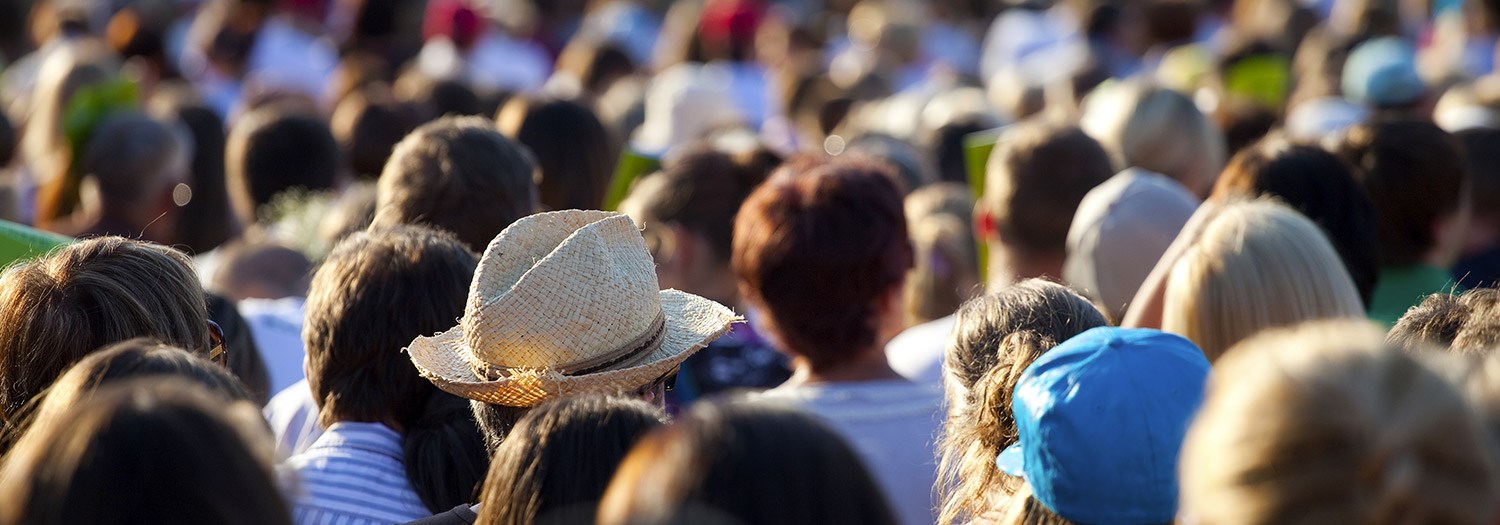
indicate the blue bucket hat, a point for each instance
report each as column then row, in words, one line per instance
column 1101, row 418
column 1383, row 72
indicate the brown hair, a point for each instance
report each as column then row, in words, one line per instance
column 133, row 358
column 367, row 125
column 556, row 463
column 995, row 337
column 1467, row 324
column 574, row 152
column 57, row 309
column 457, row 174
column 945, row 269
column 1035, row 178
column 700, row 189
column 816, row 248
column 750, row 463
column 1415, row 175
column 356, row 368
column 146, row 451
column 274, row 149
column 1326, row 423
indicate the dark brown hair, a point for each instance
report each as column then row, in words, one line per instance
column 367, row 125
column 356, row 368
column 1415, row 176
column 146, row 451
column 274, row 149
column 558, row 460
column 457, row 174
column 1036, row 177
column 701, row 190
column 816, row 248
column 995, row 337
column 749, row 463
column 1321, row 187
column 1467, row 323
column 57, row 309
column 575, row 153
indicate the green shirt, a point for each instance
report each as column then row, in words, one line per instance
column 1402, row 287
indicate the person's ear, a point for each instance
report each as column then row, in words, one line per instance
column 985, row 229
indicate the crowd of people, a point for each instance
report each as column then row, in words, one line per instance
column 632, row 262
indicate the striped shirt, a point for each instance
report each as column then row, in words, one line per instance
column 352, row 475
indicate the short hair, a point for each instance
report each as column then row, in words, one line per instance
column 1034, row 180
column 753, row 462
column 57, row 309
column 272, row 150
column 558, row 460
column 142, row 451
column 130, row 359
column 367, row 125
column 995, row 337
column 816, row 248
column 1415, row 176
column 356, row 367
column 1257, row 265
column 1157, row 129
column 1467, row 323
column 575, row 153
column 133, row 157
column 457, row 174
column 1327, row 423
column 700, row 190
column 1321, row 187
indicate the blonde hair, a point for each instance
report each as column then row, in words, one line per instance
column 945, row 267
column 1157, row 129
column 1327, row 423
column 995, row 337
column 1258, row 265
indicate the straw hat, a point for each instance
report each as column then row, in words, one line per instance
column 562, row 303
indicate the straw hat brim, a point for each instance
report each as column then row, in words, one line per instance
column 691, row 323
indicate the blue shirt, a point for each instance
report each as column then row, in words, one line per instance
column 352, row 475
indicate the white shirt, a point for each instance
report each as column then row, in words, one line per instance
column 293, row 416
column 918, row 352
column 276, row 325
column 892, row 426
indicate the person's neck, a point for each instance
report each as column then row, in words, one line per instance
column 870, row 366
column 1007, row 267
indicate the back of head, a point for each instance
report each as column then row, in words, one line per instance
column 995, row 337
column 1036, row 176
column 457, row 174
column 1415, row 176
column 1257, row 265
column 209, row 461
column 356, row 367
column 208, row 220
column 367, row 124
column 1467, row 324
column 272, row 150
column 1157, row 129
column 752, row 464
column 261, row 269
column 700, row 189
column 1330, row 425
column 945, row 269
column 575, row 153
column 134, row 158
column 59, row 308
column 818, row 249
column 555, row 464
column 127, row 360
column 1321, row 187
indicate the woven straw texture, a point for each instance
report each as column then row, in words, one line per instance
column 558, row 289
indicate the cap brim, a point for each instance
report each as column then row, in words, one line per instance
column 691, row 323
column 1012, row 461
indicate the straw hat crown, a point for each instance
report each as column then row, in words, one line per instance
column 561, row 288
column 564, row 303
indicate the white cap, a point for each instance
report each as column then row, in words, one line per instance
column 1120, row 230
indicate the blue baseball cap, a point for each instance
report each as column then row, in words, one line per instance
column 1101, row 418
column 1383, row 72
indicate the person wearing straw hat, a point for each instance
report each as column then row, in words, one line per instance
column 565, row 303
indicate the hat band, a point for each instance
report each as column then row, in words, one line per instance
column 644, row 344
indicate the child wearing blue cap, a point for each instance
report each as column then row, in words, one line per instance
column 1100, row 419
